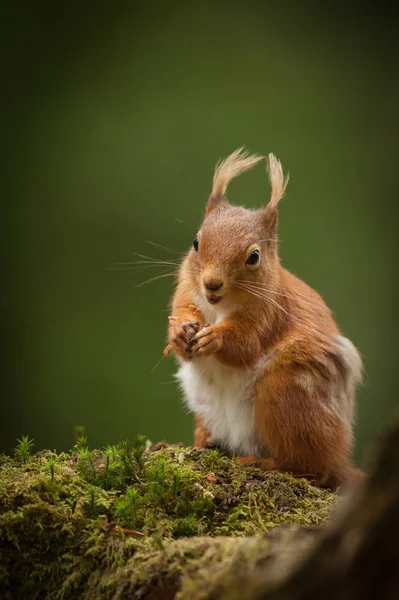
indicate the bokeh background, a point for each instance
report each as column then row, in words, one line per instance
column 115, row 117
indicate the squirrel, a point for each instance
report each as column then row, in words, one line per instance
column 262, row 363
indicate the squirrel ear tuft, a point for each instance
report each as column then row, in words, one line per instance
column 278, row 183
column 238, row 162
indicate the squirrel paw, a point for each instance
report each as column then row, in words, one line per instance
column 181, row 335
column 208, row 341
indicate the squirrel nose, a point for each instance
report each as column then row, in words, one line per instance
column 213, row 284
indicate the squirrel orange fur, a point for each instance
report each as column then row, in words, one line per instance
column 262, row 362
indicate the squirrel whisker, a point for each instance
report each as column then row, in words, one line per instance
column 259, row 295
column 144, row 265
column 259, row 287
column 152, row 279
column 284, row 288
column 136, row 268
column 157, row 363
column 165, row 248
column 153, row 262
column 148, row 281
column 147, row 262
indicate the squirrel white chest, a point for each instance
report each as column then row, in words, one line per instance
column 223, row 396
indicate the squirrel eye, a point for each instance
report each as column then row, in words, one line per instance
column 195, row 244
column 253, row 258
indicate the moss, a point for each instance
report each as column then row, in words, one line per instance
column 107, row 524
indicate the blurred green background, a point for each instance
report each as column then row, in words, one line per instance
column 114, row 120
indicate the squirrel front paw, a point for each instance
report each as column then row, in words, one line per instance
column 208, row 341
column 181, row 334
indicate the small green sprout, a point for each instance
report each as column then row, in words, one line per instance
column 160, row 494
column 51, row 462
column 126, row 459
column 90, row 504
column 159, row 472
column 111, row 450
column 139, row 447
column 190, row 525
column 81, row 443
column 121, row 510
column 83, row 453
column 133, row 497
column 108, row 453
column 24, row 448
column 140, row 440
column 86, row 464
column 161, row 488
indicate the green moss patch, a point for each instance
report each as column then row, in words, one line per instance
column 120, row 522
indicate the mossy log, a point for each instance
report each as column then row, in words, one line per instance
column 131, row 523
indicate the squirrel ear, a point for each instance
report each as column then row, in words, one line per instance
column 270, row 217
column 238, row 162
column 279, row 183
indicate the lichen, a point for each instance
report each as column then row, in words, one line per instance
column 119, row 522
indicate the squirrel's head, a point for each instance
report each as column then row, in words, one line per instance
column 235, row 251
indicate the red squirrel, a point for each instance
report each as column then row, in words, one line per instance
column 262, row 363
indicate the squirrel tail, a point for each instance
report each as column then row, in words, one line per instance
column 347, row 476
